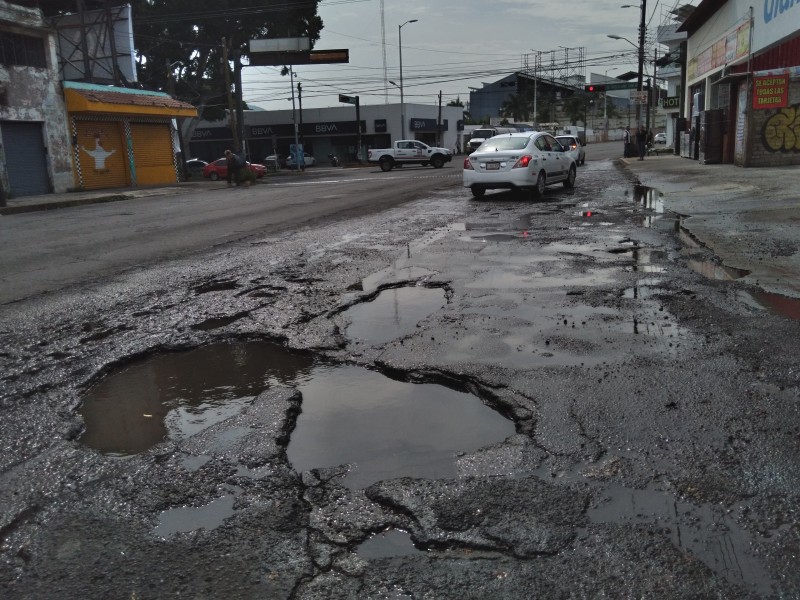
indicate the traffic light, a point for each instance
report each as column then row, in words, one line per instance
column 594, row 88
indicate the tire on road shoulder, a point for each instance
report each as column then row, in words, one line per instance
column 213, row 176
column 437, row 161
column 386, row 164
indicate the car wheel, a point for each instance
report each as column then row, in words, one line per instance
column 538, row 191
column 437, row 162
column 569, row 182
column 386, row 165
column 214, row 176
column 477, row 192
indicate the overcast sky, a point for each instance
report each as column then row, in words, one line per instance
column 455, row 45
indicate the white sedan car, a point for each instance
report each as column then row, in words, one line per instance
column 308, row 161
column 573, row 147
column 527, row 161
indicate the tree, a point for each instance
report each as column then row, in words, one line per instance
column 456, row 102
column 575, row 108
column 517, row 106
column 180, row 42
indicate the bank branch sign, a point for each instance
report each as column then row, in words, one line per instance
column 771, row 92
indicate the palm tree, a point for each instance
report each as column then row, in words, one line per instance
column 517, row 106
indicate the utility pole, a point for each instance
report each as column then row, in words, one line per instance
column 237, row 70
column 300, row 109
column 232, row 113
column 640, row 74
column 439, row 123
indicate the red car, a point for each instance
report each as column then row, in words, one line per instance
column 219, row 169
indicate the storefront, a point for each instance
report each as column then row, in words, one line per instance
column 122, row 137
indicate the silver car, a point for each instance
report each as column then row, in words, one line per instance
column 573, row 147
column 527, row 161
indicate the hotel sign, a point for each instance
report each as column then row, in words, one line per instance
column 771, row 91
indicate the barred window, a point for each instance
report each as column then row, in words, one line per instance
column 22, row 50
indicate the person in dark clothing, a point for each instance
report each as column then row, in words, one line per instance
column 641, row 141
column 235, row 164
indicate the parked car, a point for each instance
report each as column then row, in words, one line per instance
column 274, row 162
column 219, row 169
column 526, row 161
column 194, row 167
column 573, row 147
column 660, row 138
column 308, row 161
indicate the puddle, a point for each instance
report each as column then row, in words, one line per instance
column 186, row 519
column 387, row 429
column 708, row 532
column 649, row 198
column 712, row 270
column 393, row 313
column 775, row 303
column 172, row 395
column 387, row 544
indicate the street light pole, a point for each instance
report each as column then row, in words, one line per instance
column 402, row 102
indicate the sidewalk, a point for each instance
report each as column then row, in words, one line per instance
column 749, row 218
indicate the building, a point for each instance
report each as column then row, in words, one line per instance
column 35, row 149
column 742, row 91
column 324, row 131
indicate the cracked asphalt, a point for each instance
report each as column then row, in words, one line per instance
column 655, row 440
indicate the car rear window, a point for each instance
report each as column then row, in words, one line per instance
column 509, row 143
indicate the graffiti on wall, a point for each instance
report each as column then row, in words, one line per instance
column 781, row 132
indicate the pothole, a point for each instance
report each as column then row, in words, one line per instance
column 186, row 519
column 388, row 544
column 393, row 313
column 385, row 429
column 775, row 303
column 172, row 395
column 713, row 270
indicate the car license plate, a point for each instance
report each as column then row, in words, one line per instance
column 493, row 166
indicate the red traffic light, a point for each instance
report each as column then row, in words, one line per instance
column 593, row 88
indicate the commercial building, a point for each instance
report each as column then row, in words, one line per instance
column 324, row 131
column 742, row 87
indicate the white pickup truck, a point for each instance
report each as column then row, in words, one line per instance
column 405, row 152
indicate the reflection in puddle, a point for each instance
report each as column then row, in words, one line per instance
column 393, row 313
column 706, row 531
column 386, row 544
column 187, row 518
column 775, row 303
column 649, row 198
column 712, row 270
column 176, row 394
column 385, row 428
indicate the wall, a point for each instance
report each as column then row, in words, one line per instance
column 775, row 133
column 34, row 95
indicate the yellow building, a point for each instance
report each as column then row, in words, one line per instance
column 122, row 137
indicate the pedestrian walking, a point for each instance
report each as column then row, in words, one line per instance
column 641, row 141
column 626, row 140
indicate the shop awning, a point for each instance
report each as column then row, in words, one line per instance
column 92, row 98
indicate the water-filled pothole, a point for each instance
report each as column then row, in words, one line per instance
column 385, row 428
column 350, row 415
column 713, row 270
column 388, row 544
column 393, row 313
column 176, row 394
column 185, row 519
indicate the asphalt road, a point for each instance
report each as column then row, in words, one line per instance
column 45, row 251
column 441, row 398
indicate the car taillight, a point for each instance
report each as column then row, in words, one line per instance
column 523, row 162
column 468, row 165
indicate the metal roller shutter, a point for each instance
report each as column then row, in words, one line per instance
column 102, row 158
column 26, row 159
column 152, row 151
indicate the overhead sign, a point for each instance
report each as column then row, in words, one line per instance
column 771, row 92
column 639, row 97
column 294, row 44
column 308, row 57
column 622, row 85
column 348, row 99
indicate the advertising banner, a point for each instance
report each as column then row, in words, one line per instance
column 770, row 92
